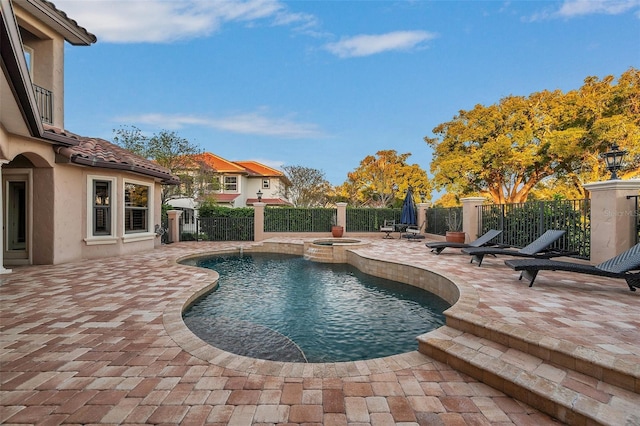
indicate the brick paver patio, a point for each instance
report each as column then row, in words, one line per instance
column 102, row 342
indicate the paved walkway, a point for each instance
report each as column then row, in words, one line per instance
column 101, row 342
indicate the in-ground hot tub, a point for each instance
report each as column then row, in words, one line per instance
column 330, row 250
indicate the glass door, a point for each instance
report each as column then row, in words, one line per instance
column 16, row 216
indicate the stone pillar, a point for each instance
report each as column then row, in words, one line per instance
column 471, row 216
column 422, row 216
column 3, row 270
column 613, row 217
column 342, row 215
column 258, row 221
column 174, row 225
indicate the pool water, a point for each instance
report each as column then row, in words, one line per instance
column 286, row 308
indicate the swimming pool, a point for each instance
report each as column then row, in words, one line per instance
column 285, row 308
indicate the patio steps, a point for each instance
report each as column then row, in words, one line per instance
column 569, row 396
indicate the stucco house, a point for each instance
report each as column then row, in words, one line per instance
column 237, row 184
column 233, row 183
column 64, row 197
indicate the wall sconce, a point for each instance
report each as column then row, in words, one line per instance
column 259, row 194
column 613, row 160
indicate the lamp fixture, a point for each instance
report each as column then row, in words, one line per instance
column 259, row 194
column 613, row 160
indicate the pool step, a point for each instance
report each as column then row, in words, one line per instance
column 561, row 392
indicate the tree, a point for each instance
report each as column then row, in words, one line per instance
column 307, row 187
column 506, row 149
column 372, row 182
column 165, row 148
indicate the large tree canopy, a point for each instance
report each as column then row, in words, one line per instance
column 307, row 187
column 166, row 148
column 506, row 149
column 372, row 182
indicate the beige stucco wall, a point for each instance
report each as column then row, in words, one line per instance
column 122, row 244
column 59, row 205
column 48, row 61
column 69, row 205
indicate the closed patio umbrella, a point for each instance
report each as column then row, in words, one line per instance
column 409, row 215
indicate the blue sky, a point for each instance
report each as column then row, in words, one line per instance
column 323, row 84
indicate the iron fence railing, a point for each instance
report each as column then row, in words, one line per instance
column 164, row 228
column 369, row 219
column 44, row 101
column 521, row 223
column 222, row 229
column 299, row 219
column 636, row 214
column 437, row 219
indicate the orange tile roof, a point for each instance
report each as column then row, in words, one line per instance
column 269, row 202
column 219, row 164
column 259, row 169
column 226, row 198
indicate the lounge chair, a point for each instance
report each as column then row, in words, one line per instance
column 388, row 227
column 537, row 249
column 438, row 246
column 619, row 266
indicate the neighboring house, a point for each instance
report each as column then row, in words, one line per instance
column 64, row 197
column 237, row 185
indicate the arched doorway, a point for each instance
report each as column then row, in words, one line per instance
column 27, row 196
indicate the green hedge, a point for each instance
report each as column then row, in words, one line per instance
column 208, row 209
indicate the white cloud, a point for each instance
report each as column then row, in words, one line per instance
column 161, row 21
column 365, row 45
column 574, row 8
column 253, row 123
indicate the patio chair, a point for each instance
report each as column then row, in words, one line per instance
column 537, row 249
column 413, row 233
column 619, row 266
column 388, row 227
column 438, row 246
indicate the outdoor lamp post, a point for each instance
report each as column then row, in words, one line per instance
column 613, row 160
column 259, row 194
column 423, row 195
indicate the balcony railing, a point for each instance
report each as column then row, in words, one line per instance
column 44, row 101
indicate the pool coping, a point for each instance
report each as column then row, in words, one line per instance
column 465, row 297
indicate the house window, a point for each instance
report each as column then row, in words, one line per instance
column 230, row 183
column 265, row 183
column 28, row 57
column 101, row 210
column 101, row 207
column 136, row 208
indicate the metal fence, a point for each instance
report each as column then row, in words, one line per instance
column 369, row 219
column 164, row 228
column 521, row 223
column 44, row 101
column 299, row 219
column 437, row 219
column 222, row 229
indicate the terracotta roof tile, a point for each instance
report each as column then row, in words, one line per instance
column 226, row 197
column 96, row 152
column 73, row 22
column 259, row 169
column 270, row 201
column 219, row 164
